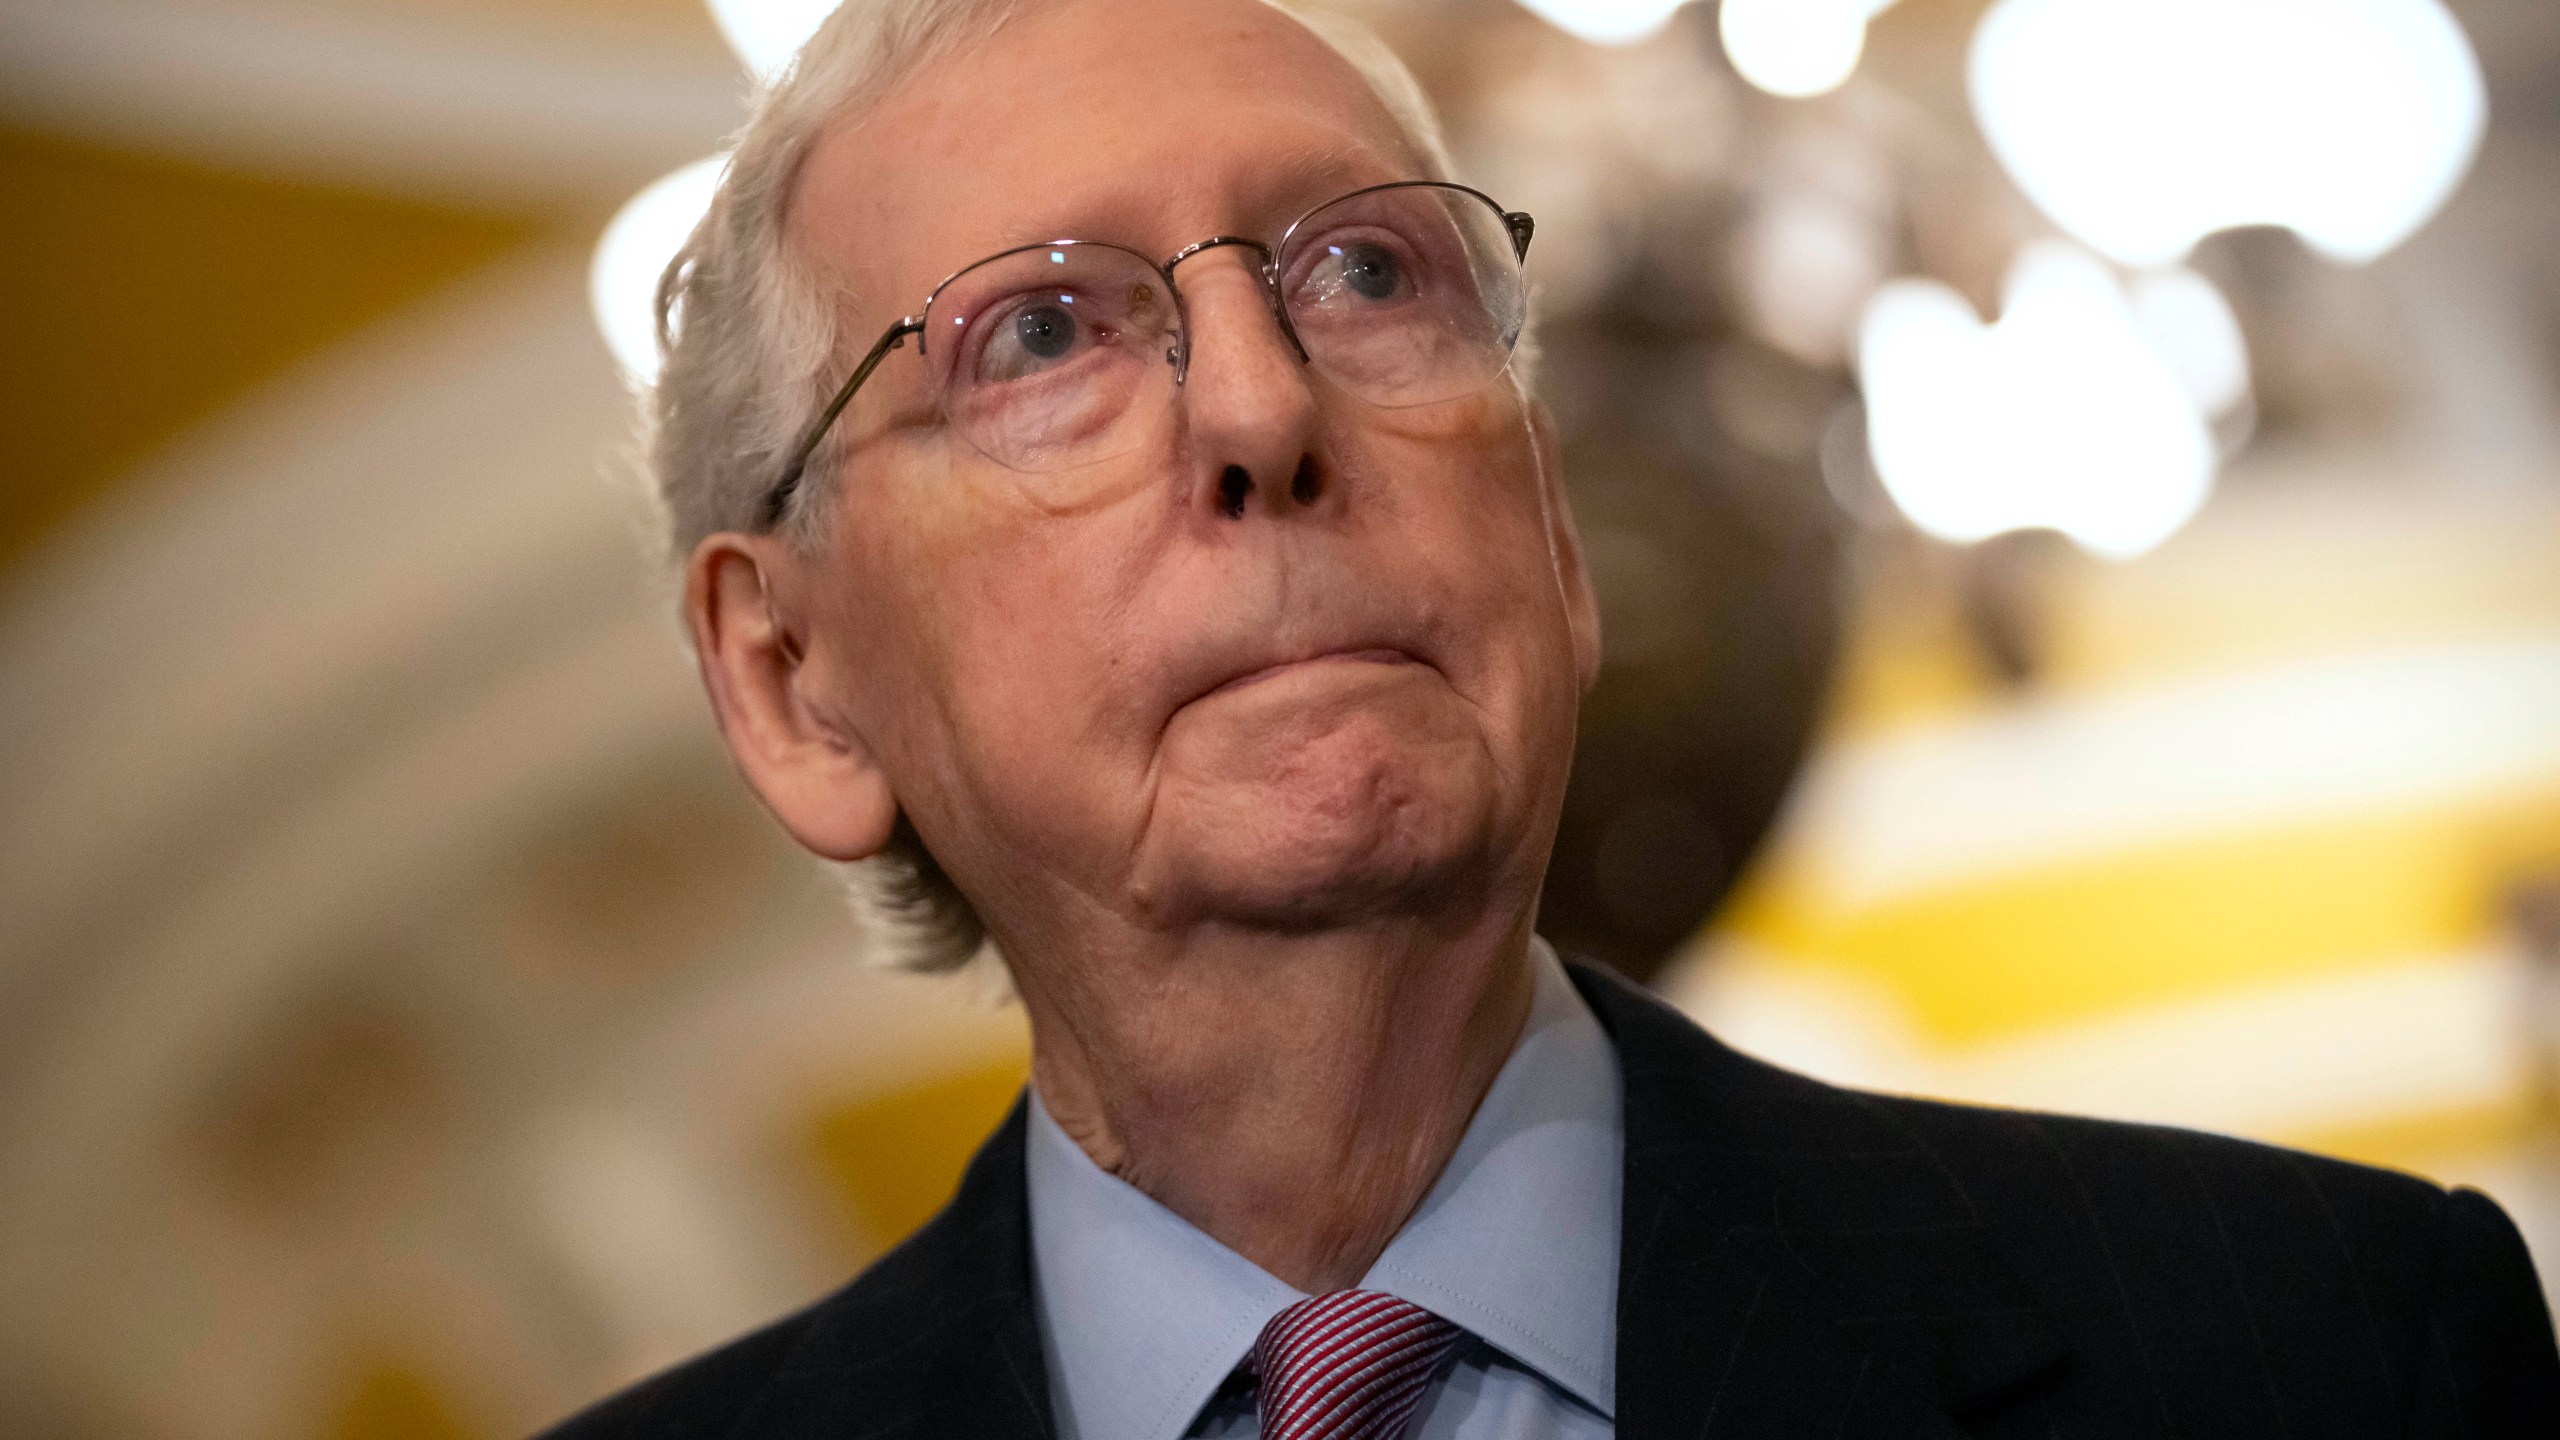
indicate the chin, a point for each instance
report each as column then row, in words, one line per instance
column 1326, row 840
column 1312, row 888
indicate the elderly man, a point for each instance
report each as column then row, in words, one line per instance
column 1113, row 504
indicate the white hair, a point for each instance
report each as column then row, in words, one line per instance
column 751, row 350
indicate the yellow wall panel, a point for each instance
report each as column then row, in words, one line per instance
column 895, row 1158
column 2018, row 952
column 144, row 294
column 389, row 1400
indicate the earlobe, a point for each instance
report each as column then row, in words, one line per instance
column 817, row 774
column 1582, row 606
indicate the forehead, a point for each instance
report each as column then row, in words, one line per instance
column 1150, row 122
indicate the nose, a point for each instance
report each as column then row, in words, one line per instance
column 1248, row 402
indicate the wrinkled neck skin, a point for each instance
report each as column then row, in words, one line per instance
column 1293, row 1095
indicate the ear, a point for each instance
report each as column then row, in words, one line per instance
column 811, row 768
column 1582, row 607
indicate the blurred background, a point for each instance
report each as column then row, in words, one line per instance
column 2074, row 487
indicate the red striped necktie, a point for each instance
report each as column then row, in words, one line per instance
column 1348, row 1366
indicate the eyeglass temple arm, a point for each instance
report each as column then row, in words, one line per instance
column 778, row 499
column 1521, row 228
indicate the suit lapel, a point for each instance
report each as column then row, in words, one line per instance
column 1791, row 1262
column 938, row 1339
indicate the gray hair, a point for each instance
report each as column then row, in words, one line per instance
column 751, row 349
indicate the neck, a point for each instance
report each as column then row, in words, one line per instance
column 1294, row 1096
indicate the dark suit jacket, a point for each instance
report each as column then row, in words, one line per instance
column 1808, row 1263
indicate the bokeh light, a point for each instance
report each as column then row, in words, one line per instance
column 2062, row 415
column 1796, row 48
column 622, row 283
column 2142, row 126
column 645, row 234
column 1605, row 22
column 2193, row 325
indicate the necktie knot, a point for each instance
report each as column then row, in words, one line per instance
column 1351, row 1365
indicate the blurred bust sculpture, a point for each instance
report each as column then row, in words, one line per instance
column 1115, row 517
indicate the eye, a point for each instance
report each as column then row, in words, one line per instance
column 1346, row 274
column 1045, row 331
column 1034, row 334
column 1370, row 270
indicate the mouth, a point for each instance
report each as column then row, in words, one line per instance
column 1376, row 655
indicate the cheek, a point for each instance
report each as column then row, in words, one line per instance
column 1466, row 471
column 1015, row 657
column 1030, row 642
column 1465, row 503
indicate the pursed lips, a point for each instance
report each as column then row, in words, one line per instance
column 1373, row 655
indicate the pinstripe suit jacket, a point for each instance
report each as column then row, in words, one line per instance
column 1805, row 1261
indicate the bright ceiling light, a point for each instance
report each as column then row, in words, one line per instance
column 2062, row 416
column 622, row 280
column 2142, row 126
column 1796, row 48
column 622, row 283
column 2195, row 331
column 767, row 33
column 1605, row 22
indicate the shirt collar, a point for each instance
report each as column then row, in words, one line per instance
column 1142, row 1315
column 1518, row 1241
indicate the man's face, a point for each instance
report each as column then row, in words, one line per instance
column 1117, row 691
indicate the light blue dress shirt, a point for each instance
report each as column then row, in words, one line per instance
column 1144, row 1318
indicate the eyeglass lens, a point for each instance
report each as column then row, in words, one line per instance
column 1058, row 356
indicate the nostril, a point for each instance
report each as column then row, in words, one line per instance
column 1304, row 486
column 1233, row 485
